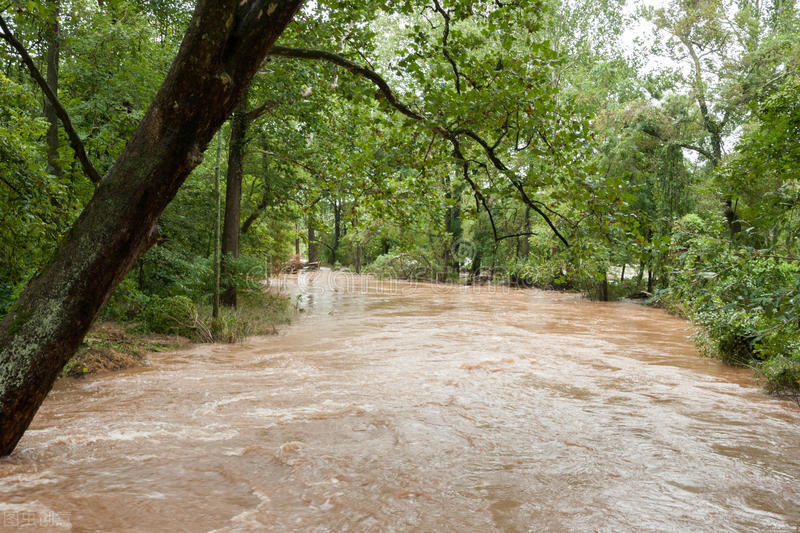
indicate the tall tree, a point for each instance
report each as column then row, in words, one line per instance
column 233, row 199
column 237, row 146
column 223, row 47
column 716, row 42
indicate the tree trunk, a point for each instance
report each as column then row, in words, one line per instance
column 525, row 249
column 217, row 233
column 233, row 200
column 224, row 46
column 53, row 46
column 337, row 229
column 640, row 274
column 313, row 255
column 604, row 287
column 734, row 226
column 452, row 224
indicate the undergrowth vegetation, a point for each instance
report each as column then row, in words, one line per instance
column 746, row 299
column 259, row 311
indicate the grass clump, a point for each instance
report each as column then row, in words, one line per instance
column 174, row 315
column 258, row 313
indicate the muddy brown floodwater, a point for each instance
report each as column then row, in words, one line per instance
column 396, row 407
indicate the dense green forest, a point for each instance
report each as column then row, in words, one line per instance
column 624, row 150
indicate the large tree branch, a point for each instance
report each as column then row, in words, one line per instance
column 713, row 127
column 702, row 151
column 445, row 34
column 391, row 98
column 355, row 68
column 254, row 215
column 257, row 112
column 74, row 140
column 475, row 189
column 499, row 165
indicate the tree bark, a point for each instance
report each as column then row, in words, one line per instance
column 53, row 46
column 223, row 48
column 233, row 200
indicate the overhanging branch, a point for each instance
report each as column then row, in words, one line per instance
column 391, row 98
column 355, row 68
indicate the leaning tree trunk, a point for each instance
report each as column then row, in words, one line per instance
column 233, row 200
column 223, row 48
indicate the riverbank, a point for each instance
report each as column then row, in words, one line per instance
column 176, row 323
column 111, row 346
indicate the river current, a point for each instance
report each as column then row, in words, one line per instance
column 392, row 406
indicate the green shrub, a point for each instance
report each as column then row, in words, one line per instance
column 175, row 315
column 126, row 302
column 245, row 272
column 731, row 336
column 746, row 300
column 404, row 266
column 522, row 273
column 258, row 314
column 782, row 373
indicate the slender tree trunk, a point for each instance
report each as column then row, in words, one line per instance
column 217, row 231
column 313, row 252
column 233, row 200
column 223, row 48
column 714, row 128
column 734, row 225
column 526, row 244
column 337, row 228
column 262, row 206
column 640, row 274
column 452, row 222
column 604, row 287
column 53, row 46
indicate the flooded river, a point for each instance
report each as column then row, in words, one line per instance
column 396, row 407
